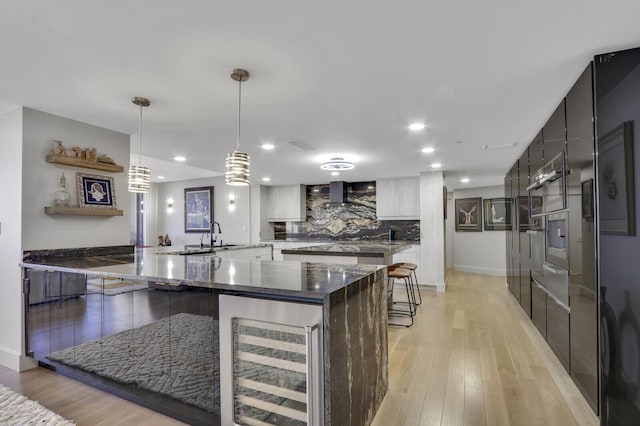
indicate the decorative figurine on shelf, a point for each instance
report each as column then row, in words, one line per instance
column 160, row 240
column 57, row 148
column 167, row 240
column 62, row 195
column 91, row 154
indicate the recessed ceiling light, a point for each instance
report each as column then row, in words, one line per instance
column 464, row 180
column 160, row 177
column 180, row 158
column 428, row 150
column 337, row 163
column 335, row 173
column 436, row 165
column 266, row 179
column 417, row 126
column 267, row 146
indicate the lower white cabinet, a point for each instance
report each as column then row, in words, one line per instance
column 411, row 255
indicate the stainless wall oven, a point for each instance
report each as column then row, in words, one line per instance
column 557, row 239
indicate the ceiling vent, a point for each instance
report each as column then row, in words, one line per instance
column 301, row 145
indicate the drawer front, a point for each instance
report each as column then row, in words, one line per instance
column 556, row 280
column 558, row 331
column 539, row 308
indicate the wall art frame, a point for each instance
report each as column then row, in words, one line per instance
column 497, row 214
column 587, row 198
column 468, row 214
column 95, row 191
column 198, row 209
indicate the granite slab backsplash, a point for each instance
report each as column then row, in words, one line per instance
column 352, row 221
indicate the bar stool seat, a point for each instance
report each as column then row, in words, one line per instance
column 404, row 274
column 414, row 285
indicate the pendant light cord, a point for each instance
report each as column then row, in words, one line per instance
column 239, row 107
column 140, row 136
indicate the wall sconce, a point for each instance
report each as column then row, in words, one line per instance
column 169, row 205
column 232, row 201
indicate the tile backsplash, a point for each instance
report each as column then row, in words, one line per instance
column 355, row 220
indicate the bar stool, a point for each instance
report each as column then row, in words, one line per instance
column 405, row 275
column 412, row 267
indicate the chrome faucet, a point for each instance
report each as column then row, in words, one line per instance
column 213, row 229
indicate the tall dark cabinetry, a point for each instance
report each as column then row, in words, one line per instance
column 582, row 266
column 521, row 199
column 617, row 85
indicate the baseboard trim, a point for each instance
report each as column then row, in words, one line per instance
column 16, row 361
column 480, row 270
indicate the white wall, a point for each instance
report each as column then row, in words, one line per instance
column 235, row 225
column 40, row 182
column 12, row 329
column 479, row 252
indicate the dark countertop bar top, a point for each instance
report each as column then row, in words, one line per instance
column 276, row 278
column 350, row 249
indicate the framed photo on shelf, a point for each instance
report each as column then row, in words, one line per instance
column 468, row 214
column 587, row 198
column 616, row 177
column 497, row 214
column 198, row 209
column 95, row 191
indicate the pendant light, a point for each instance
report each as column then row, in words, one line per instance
column 139, row 175
column 237, row 163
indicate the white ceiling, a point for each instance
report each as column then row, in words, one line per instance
column 342, row 76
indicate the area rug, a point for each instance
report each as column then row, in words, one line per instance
column 113, row 286
column 18, row 410
column 172, row 356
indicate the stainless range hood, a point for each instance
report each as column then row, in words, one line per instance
column 337, row 192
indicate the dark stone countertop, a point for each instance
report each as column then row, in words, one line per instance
column 314, row 281
column 350, row 249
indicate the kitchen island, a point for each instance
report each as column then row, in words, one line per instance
column 347, row 252
column 247, row 341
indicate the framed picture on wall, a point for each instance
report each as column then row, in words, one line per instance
column 497, row 214
column 198, row 209
column 468, row 214
column 444, row 201
column 616, row 177
column 95, row 191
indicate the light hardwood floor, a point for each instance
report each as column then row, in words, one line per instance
column 472, row 358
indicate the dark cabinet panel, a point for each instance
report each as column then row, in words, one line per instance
column 536, row 157
column 508, row 233
column 554, row 134
column 515, row 239
column 617, row 94
column 582, row 263
column 523, row 221
column 558, row 330
column 539, row 308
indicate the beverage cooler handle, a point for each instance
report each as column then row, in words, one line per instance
column 309, row 339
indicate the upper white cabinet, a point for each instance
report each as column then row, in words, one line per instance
column 286, row 203
column 398, row 199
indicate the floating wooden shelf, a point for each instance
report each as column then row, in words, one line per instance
column 87, row 164
column 87, row 211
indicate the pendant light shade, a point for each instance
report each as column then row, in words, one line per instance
column 237, row 163
column 139, row 175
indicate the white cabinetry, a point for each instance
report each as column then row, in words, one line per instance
column 410, row 255
column 287, row 203
column 398, row 199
